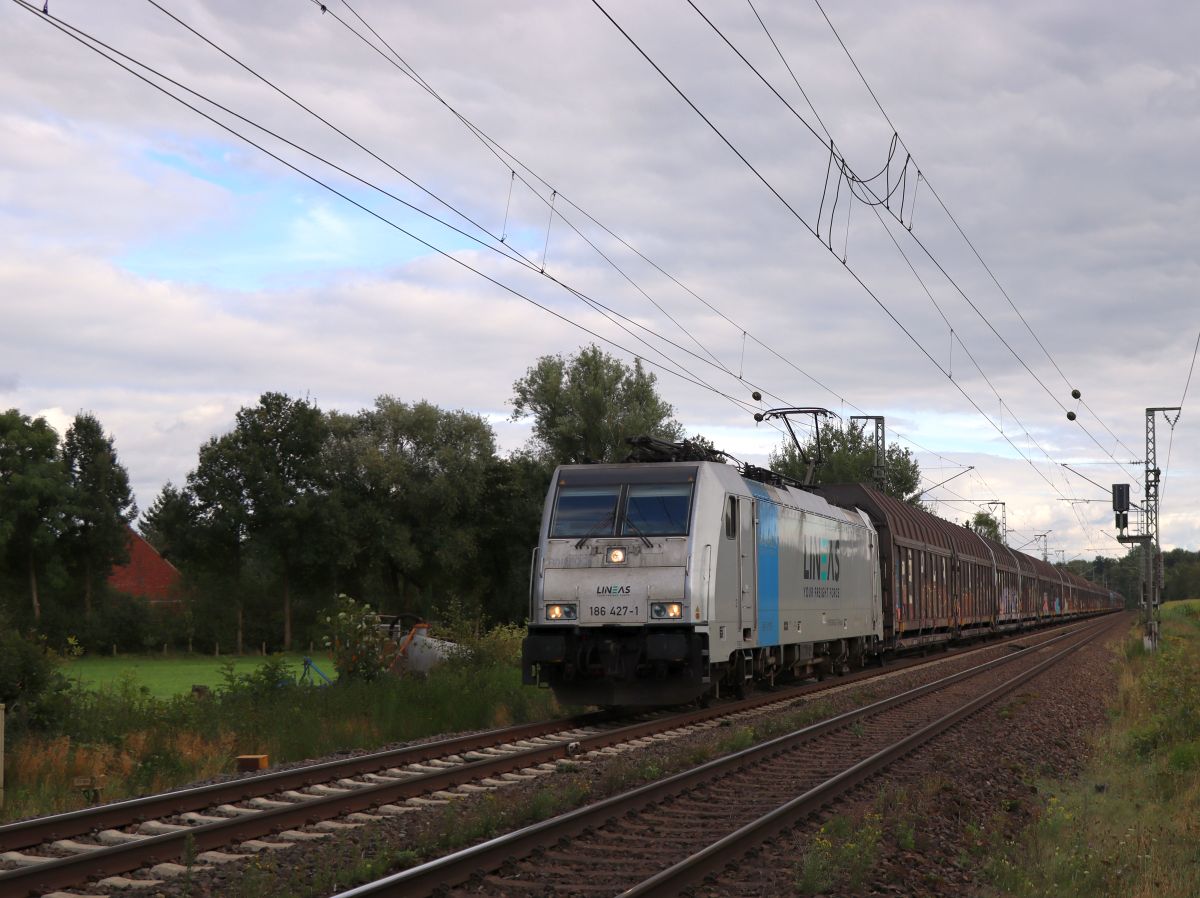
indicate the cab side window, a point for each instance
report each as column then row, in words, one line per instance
column 731, row 517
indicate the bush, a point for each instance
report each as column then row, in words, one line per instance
column 360, row 649
column 31, row 686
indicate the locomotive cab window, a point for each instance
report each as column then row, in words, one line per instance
column 657, row 510
column 585, row 511
column 731, row 518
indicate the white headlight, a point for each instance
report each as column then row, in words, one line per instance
column 666, row 610
column 616, row 555
column 561, row 612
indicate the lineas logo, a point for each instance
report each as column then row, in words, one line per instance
column 613, row 590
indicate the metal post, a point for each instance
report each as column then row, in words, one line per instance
column 1152, row 564
column 878, row 470
column 1003, row 520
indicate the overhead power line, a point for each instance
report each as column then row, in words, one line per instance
column 519, row 169
column 991, row 274
column 1171, row 441
column 814, row 233
column 103, row 50
column 875, row 201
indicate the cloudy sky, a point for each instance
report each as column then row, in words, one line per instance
column 161, row 272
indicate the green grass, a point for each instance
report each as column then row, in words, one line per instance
column 133, row 721
column 1128, row 826
column 171, row 675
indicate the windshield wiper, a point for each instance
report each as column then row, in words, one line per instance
column 595, row 529
column 638, row 531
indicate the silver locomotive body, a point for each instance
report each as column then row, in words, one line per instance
column 658, row 583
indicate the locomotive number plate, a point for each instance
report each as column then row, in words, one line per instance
column 599, row 611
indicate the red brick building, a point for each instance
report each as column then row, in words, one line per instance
column 147, row 574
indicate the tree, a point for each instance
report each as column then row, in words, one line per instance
column 583, row 407
column 100, row 503
column 409, row 491
column 170, row 523
column 986, row 525
column 33, row 494
column 849, row 457
column 277, row 457
column 218, row 521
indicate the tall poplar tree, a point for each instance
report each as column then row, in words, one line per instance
column 33, row 493
column 99, row 506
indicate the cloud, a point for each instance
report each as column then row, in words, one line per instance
column 161, row 273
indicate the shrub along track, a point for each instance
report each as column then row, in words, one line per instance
column 671, row 834
column 157, row 831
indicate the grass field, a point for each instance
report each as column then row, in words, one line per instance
column 170, row 675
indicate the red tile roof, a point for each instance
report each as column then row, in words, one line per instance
column 147, row 574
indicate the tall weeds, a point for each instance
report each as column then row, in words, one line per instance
column 138, row 743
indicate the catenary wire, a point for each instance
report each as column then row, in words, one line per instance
column 1162, row 495
column 927, row 252
column 809, row 227
column 604, row 310
column 85, row 39
column 512, row 162
column 995, row 280
column 882, row 201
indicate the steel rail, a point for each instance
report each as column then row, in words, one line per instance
column 32, row 832
column 26, row 833
column 111, row 860
column 716, row 857
column 460, row 866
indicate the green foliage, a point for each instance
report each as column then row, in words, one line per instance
column 410, row 497
column 842, row 851
column 849, row 457
column 99, row 505
column 360, row 649
column 583, row 407
column 144, row 743
column 33, row 499
column 31, row 685
column 1127, row 827
column 986, row 525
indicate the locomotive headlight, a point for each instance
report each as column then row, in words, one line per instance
column 666, row 610
column 616, row 555
column 561, row 612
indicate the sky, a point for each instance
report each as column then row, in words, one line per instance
column 468, row 186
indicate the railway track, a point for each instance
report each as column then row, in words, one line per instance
column 229, row 821
column 662, row 838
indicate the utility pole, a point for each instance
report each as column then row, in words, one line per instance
column 1041, row 538
column 1148, row 537
column 877, row 469
column 1003, row 519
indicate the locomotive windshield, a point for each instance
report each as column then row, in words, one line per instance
column 657, row 510
column 586, row 511
column 651, row 509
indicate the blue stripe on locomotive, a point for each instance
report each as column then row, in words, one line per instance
column 767, row 536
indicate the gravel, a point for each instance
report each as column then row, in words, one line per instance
column 978, row 774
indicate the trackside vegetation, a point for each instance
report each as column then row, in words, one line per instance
column 132, row 742
column 1128, row 826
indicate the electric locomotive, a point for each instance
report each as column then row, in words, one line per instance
column 658, row 583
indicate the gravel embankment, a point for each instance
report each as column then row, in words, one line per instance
column 966, row 795
column 943, row 812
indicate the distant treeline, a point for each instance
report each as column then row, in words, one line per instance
column 407, row 506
